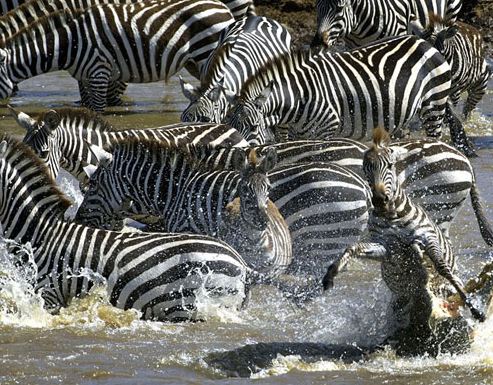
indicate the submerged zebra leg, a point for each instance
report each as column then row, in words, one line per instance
column 458, row 134
column 366, row 250
column 115, row 91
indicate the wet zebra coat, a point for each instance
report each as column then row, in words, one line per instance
column 416, row 257
column 146, row 178
column 463, row 47
column 359, row 22
column 100, row 45
column 157, row 274
column 243, row 48
column 60, row 137
column 328, row 94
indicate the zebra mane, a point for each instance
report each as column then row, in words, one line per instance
column 221, row 51
column 21, row 8
column 264, row 73
column 381, row 138
column 81, row 115
column 43, row 173
column 163, row 152
column 52, row 21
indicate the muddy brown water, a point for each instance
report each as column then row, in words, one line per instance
column 92, row 343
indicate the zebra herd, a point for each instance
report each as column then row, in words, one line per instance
column 267, row 180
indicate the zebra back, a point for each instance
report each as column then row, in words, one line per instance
column 161, row 275
column 61, row 137
column 242, row 49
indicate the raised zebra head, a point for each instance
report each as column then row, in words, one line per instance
column 248, row 118
column 335, row 20
column 6, row 84
column 205, row 106
column 380, row 171
column 42, row 137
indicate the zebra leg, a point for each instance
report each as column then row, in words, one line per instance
column 366, row 250
column 435, row 253
column 98, row 82
column 458, row 134
column 475, row 93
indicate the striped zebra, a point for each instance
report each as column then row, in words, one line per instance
column 161, row 275
column 99, row 45
column 326, row 94
column 139, row 178
column 324, row 205
column 246, row 46
column 59, row 137
column 435, row 175
column 416, row 258
column 359, row 22
column 462, row 45
column 8, row 5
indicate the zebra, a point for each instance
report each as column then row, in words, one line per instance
column 325, row 205
column 59, row 137
column 160, row 275
column 359, row 22
column 462, row 45
column 240, row 8
column 435, row 175
column 245, row 47
column 8, row 5
column 155, row 49
column 326, row 94
column 410, row 246
column 142, row 178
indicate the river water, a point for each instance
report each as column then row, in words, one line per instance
column 93, row 343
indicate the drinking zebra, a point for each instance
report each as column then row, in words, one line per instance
column 141, row 178
column 243, row 48
column 462, row 45
column 326, row 94
column 324, row 205
column 160, row 275
column 359, row 22
column 60, row 137
column 410, row 246
column 98, row 45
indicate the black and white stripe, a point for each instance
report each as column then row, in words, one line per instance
column 243, row 48
column 463, row 47
column 99, row 44
column 60, row 137
column 404, row 238
column 359, row 22
column 157, row 274
column 327, row 94
column 145, row 178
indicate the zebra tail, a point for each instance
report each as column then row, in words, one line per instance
column 484, row 225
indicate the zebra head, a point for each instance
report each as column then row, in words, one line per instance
column 205, row 107
column 42, row 137
column 102, row 204
column 380, row 171
column 247, row 117
column 6, row 84
column 252, row 224
column 438, row 31
column 335, row 20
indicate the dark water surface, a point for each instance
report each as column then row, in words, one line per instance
column 93, row 343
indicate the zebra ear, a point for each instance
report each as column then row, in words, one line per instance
column 89, row 170
column 103, row 157
column 416, row 27
column 216, row 92
column 22, row 119
column 264, row 95
column 3, row 148
column 191, row 92
column 399, row 152
column 238, row 159
column 52, row 120
column 450, row 32
column 3, row 55
column 269, row 159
